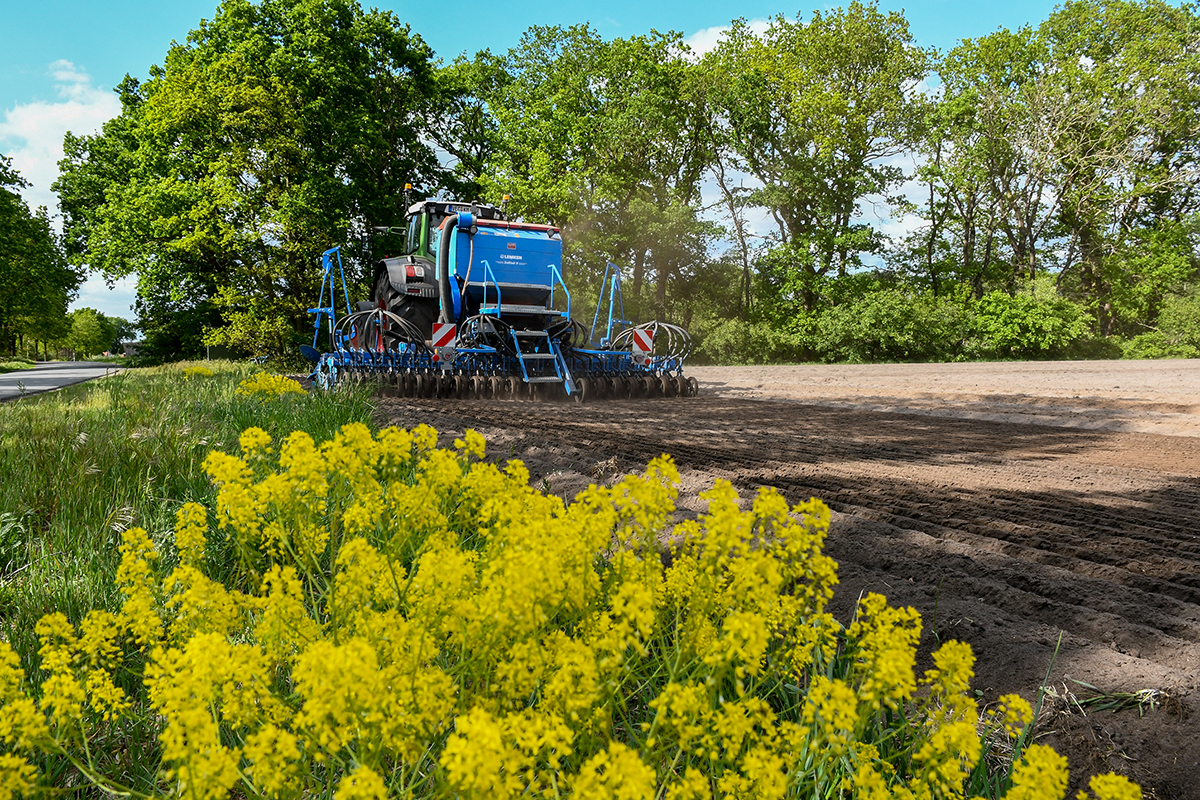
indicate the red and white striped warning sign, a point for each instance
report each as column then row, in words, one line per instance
column 445, row 334
column 643, row 343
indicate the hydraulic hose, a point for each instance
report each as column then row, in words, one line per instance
column 445, row 301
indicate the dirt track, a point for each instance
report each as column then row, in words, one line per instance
column 1000, row 532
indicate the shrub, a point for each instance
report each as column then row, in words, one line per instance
column 1028, row 325
column 893, row 325
column 736, row 341
column 398, row 619
column 1156, row 344
column 1179, row 320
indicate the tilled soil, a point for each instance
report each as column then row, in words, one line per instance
column 1022, row 539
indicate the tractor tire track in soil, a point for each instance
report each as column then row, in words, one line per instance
column 1002, row 535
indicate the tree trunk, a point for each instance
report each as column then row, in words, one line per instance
column 639, row 273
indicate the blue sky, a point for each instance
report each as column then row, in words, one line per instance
column 59, row 59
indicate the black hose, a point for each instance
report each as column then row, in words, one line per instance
column 445, row 301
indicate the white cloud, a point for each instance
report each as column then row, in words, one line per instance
column 114, row 302
column 707, row 39
column 31, row 134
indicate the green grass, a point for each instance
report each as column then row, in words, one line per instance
column 122, row 360
column 80, row 466
column 12, row 366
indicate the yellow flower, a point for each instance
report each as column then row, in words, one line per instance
column 472, row 444
column 424, row 438
column 22, row 725
column 1113, row 787
column 135, row 578
column 362, row 784
column 253, row 440
column 11, row 673
column 1041, row 774
column 191, row 526
column 16, row 776
column 887, row 642
column 1013, row 713
column 477, row 759
column 616, row 773
column 947, row 758
column 285, row 627
column 693, row 785
column 265, row 386
column 831, row 711
column 273, row 755
column 185, row 686
column 196, row 372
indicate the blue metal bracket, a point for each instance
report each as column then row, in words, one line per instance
column 558, row 281
column 489, row 277
column 616, row 300
column 327, row 280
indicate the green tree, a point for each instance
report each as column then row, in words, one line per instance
column 814, row 111
column 277, row 130
column 606, row 140
column 1071, row 146
column 35, row 282
column 91, row 333
column 1128, row 168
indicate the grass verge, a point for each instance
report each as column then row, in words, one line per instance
column 12, row 366
column 81, row 465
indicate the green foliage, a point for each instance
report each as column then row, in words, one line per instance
column 14, row 365
column 608, row 140
column 1180, row 318
column 895, row 325
column 98, row 458
column 813, row 110
column 252, row 328
column 35, row 283
column 1178, row 334
column 91, row 333
column 731, row 340
column 271, row 134
column 1028, row 325
column 1156, row 344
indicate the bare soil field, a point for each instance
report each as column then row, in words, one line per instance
column 1012, row 504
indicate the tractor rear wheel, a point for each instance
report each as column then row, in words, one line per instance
column 420, row 311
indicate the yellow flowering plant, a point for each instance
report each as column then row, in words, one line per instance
column 373, row 616
column 197, row 371
column 266, row 386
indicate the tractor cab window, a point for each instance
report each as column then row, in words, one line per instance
column 435, row 217
column 412, row 242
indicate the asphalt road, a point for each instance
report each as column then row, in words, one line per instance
column 47, row 377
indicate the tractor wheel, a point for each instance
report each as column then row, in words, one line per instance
column 420, row 311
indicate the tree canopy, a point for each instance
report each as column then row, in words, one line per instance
column 35, row 282
column 767, row 194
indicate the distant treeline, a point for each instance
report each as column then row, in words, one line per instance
column 1051, row 172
